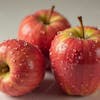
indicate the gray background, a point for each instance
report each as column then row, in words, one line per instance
column 13, row 11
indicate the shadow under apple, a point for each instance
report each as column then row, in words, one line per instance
column 49, row 90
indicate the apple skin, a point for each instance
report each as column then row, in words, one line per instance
column 76, row 61
column 33, row 29
column 26, row 65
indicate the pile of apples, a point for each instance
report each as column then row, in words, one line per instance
column 47, row 37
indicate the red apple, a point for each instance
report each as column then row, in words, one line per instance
column 21, row 67
column 41, row 27
column 75, row 57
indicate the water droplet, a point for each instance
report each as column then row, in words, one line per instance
column 74, row 50
column 14, row 60
column 26, row 29
column 97, row 60
column 70, row 60
column 72, row 55
column 79, row 57
column 25, row 43
column 15, row 48
column 3, row 49
column 61, row 47
column 96, row 41
column 8, row 47
column 59, row 32
column 24, row 53
column 65, row 68
column 98, row 52
column 61, row 84
column 11, row 52
column 50, row 53
column 43, row 32
column 15, row 76
column 67, row 57
column 70, row 33
column 30, row 64
column 36, row 46
column 20, row 64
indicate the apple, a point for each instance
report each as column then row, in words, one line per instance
column 41, row 27
column 21, row 67
column 75, row 58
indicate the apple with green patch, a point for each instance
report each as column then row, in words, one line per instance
column 75, row 58
column 41, row 27
column 21, row 67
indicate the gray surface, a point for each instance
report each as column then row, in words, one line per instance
column 49, row 90
column 13, row 11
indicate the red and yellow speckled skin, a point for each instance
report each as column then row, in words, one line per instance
column 76, row 61
column 34, row 31
column 26, row 65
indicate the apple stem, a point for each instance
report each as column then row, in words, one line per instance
column 82, row 27
column 50, row 14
